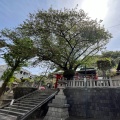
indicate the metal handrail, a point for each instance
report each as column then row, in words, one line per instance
column 36, row 107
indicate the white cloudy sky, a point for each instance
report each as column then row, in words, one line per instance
column 14, row 12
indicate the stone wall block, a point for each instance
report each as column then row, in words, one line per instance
column 94, row 102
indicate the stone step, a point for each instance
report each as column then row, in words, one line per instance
column 4, row 116
column 39, row 96
column 16, row 109
column 44, row 94
column 10, row 112
column 36, row 101
column 22, row 104
column 29, row 102
column 33, row 99
column 21, row 107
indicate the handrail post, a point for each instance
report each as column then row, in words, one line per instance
column 85, row 81
column 90, row 82
column 73, row 83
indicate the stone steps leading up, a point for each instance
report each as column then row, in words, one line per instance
column 24, row 105
column 36, row 101
column 21, row 107
column 37, row 98
column 4, row 116
column 30, row 102
column 16, row 109
column 10, row 112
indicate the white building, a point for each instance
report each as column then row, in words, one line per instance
column 23, row 73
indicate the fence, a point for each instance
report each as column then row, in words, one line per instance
column 79, row 83
column 93, row 83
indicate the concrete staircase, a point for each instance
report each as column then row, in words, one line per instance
column 23, row 107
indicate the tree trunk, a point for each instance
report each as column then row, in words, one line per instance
column 104, row 74
column 69, row 74
column 3, row 88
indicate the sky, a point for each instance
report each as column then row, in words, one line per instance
column 14, row 12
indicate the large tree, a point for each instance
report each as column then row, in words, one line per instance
column 18, row 51
column 65, row 36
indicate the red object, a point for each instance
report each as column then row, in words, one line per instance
column 58, row 76
column 41, row 88
column 96, row 77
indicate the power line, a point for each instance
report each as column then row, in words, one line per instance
column 114, row 26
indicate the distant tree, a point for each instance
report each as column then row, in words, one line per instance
column 115, row 55
column 2, row 43
column 105, row 64
column 19, row 51
column 91, row 61
column 118, row 67
column 65, row 36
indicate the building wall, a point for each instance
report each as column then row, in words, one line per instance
column 18, row 74
column 23, row 73
column 101, row 103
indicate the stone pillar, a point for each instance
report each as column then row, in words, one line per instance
column 58, row 109
column 111, row 83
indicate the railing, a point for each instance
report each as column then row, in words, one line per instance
column 34, row 108
column 93, row 83
column 79, row 83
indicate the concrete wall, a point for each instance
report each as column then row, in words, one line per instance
column 101, row 103
column 21, row 91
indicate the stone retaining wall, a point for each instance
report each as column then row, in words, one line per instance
column 101, row 103
column 21, row 91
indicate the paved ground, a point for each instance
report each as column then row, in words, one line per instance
column 78, row 118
